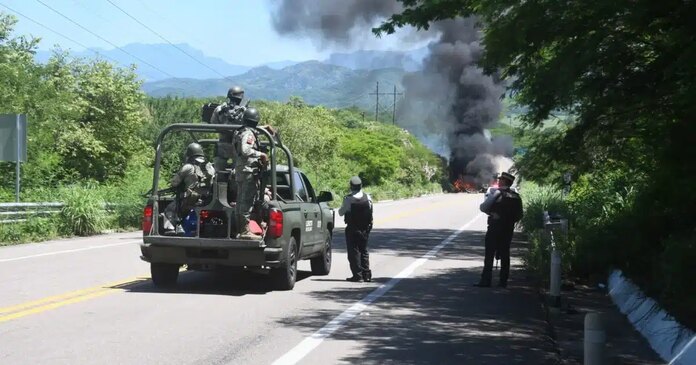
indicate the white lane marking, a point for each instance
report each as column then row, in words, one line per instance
column 69, row 251
column 310, row 343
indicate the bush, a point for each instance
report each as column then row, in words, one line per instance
column 537, row 199
column 677, row 272
column 32, row 230
column 83, row 212
column 125, row 198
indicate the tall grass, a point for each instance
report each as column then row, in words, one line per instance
column 83, row 211
column 537, row 199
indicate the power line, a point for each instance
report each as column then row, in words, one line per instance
column 58, row 33
column 165, row 39
column 105, row 40
column 378, row 106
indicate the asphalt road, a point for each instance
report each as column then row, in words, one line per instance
column 90, row 301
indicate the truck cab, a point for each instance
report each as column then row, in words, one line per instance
column 294, row 220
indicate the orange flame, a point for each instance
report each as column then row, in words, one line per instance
column 461, row 186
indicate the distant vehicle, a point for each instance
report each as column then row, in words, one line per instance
column 296, row 224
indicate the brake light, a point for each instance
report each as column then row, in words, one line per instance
column 275, row 224
column 205, row 214
column 147, row 220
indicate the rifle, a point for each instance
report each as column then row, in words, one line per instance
column 237, row 112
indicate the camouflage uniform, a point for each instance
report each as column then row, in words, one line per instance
column 194, row 180
column 247, row 169
column 225, row 147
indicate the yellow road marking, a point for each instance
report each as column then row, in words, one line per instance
column 57, row 301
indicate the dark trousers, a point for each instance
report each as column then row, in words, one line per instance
column 358, row 257
column 498, row 238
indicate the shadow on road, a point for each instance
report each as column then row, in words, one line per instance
column 439, row 317
column 211, row 283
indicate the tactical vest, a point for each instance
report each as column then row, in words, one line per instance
column 241, row 163
column 359, row 216
column 508, row 207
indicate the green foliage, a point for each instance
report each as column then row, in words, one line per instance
column 34, row 229
column 83, row 211
column 537, row 199
column 91, row 135
column 622, row 71
column 126, row 197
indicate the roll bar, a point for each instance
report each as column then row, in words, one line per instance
column 195, row 127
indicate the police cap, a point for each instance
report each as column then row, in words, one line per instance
column 507, row 176
column 355, row 182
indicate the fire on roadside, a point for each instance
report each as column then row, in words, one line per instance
column 465, row 184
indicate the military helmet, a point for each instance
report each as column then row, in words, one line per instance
column 251, row 117
column 194, row 150
column 235, row 94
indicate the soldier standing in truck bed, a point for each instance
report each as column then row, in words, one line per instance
column 229, row 112
column 248, row 164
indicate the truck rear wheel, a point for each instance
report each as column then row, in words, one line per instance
column 321, row 265
column 164, row 275
column 284, row 277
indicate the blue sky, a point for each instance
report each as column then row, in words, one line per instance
column 238, row 31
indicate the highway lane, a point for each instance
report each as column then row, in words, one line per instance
column 90, row 301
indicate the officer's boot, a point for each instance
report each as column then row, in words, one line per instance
column 367, row 275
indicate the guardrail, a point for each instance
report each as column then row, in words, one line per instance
column 21, row 212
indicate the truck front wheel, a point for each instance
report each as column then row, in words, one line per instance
column 164, row 275
column 284, row 277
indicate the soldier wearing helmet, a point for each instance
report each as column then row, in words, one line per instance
column 249, row 161
column 191, row 182
column 229, row 112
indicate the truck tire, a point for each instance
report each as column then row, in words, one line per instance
column 321, row 265
column 164, row 275
column 284, row 277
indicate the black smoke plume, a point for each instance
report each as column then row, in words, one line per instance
column 448, row 105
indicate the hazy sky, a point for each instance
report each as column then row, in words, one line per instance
column 238, row 31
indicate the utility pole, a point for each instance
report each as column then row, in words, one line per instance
column 377, row 94
column 377, row 103
column 394, row 106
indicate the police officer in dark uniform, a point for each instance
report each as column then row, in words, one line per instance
column 504, row 209
column 357, row 208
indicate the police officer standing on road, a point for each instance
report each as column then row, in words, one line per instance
column 229, row 112
column 192, row 183
column 357, row 208
column 248, row 163
column 504, row 209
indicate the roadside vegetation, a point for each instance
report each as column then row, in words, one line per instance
column 604, row 90
column 91, row 132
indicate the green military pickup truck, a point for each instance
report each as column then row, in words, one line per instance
column 297, row 224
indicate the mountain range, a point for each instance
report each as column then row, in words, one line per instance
column 342, row 79
column 315, row 82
